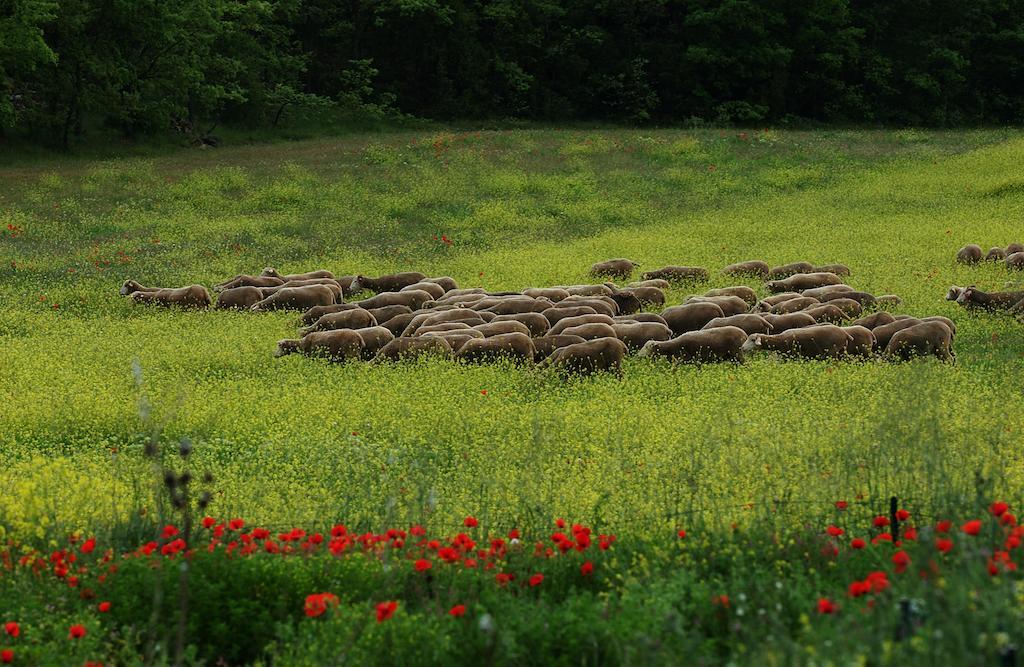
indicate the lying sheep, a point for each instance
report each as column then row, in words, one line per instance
column 435, row 290
column 749, row 322
column 544, row 346
column 296, row 298
column 414, row 299
column 803, row 281
column 678, row 274
column 653, row 282
column 794, row 305
column 969, row 254
column 826, row 312
column 691, row 316
column 636, row 335
column 356, row 318
column 272, row 273
column 924, row 339
column 817, row 342
column 388, row 283
column 411, row 348
column 972, row 297
column 754, row 267
column 780, row 323
column 590, row 331
column 862, row 341
column 838, row 269
column 492, row 329
column 600, row 354
column 248, row 281
column 720, row 344
column 579, row 320
column 616, row 268
column 514, row 346
column 995, row 255
column 374, row 339
column 536, row 323
column 193, row 296
column 730, row 305
column 1015, row 261
column 787, row 270
column 338, row 345
column 741, row 291
column 238, row 297
column 875, row 320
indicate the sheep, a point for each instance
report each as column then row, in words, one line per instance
column 272, row 273
column 316, row 312
column 826, row 312
column 803, row 281
column 863, row 298
column 338, row 345
column 554, row 294
column 248, row 281
column 691, row 316
column 874, row 320
column 862, row 341
column 553, row 315
column 730, row 305
column 719, row 344
column 741, row 291
column 944, row 320
column 628, row 302
column 388, row 283
column 754, row 267
column 414, row 299
column 647, row 296
column 924, row 339
column 579, row 320
column 600, row 354
column 838, row 269
column 794, row 305
column 445, row 327
column 780, row 323
column 296, row 298
column 749, row 322
column 435, row 290
column 521, row 304
column 466, row 315
column 640, row 317
column 678, row 274
column 1015, row 261
column 1014, row 247
column 602, row 304
column 954, row 292
column 357, row 318
column 969, row 254
column 385, row 313
column 452, row 295
column 345, row 283
column 787, row 270
column 850, row 307
column 888, row 300
column 374, row 339
column 817, row 342
column 193, row 296
column 972, row 297
column 636, row 335
column 616, row 268
column 410, row 348
column 587, row 290
column 398, row 324
column 545, row 345
column 492, row 329
column 820, row 293
column 515, row 346
column 537, row 324
column 766, row 303
column 995, row 255
column 885, row 332
column 455, row 338
column 590, row 331
column 326, row 282
column 238, row 297
column 653, row 282
column 447, row 283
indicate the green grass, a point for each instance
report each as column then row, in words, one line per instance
column 298, row 441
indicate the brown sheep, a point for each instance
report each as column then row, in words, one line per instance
column 818, row 342
column 447, row 283
column 454, row 294
column 924, row 339
column 638, row 334
column 780, row 323
column 862, row 341
column 787, row 270
column 385, row 313
column 826, row 312
column 616, row 268
column 444, row 327
column 326, row 282
column 602, row 304
column 455, row 338
column 554, row 294
column 553, row 315
column 193, row 296
column 754, row 267
column 521, row 304
column 1015, row 261
column 600, row 354
column 586, row 290
column 995, row 255
column 863, row 298
column 590, row 331
column 272, row 273
column 648, row 296
column 794, row 305
column 972, row 297
column 497, row 328
column 535, row 322
column 803, row 281
column 969, row 254
column 945, row 320
column 820, row 293
column 838, row 269
column 398, row 324
column 248, row 281
column 885, row 332
column 515, row 346
column 414, row 299
column 875, row 320
column 850, row 307
column 411, row 348
column 627, row 302
column 579, row 320
column 297, row 298
column 749, row 322
column 338, row 345
column 720, row 344
column 345, row 283
column 678, row 274
column 954, row 292
column 374, row 338
column 730, row 305
column 316, row 312
column 238, row 297
column 544, row 346
column 769, row 301
column 741, row 291
column 388, row 283
column 435, row 290
column 691, row 316
column 454, row 315
column 1014, row 247
column 653, row 282
column 357, row 318
column 640, row 317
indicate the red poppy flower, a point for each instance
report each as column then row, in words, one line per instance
column 209, row 522
column 386, row 610
column 842, row 504
column 469, row 562
column 1008, row 519
column 998, row 508
column 169, row 532
column 834, row 531
column 513, row 534
column 7, row 656
column 88, row 546
column 76, row 631
column 236, row 524
column 878, row 580
column 881, row 537
column 901, row 560
column 721, row 601
column 483, row 391
column 103, row 607
column 902, row 515
column 536, row 580
column 826, row 606
column 859, row 588
column 587, row 568
column 681, row 534
column 503, row 578
column 943, row 526
column 12, row 628
column 910, row 534
column 560, row 523
column 470, row 522
column 943, row 545
column 457, row 610
column 423, row 564
column 972, row 527
column 880, row 521
column 857, row 543
column 317, row 603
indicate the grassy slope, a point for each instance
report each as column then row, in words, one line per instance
column 524, row 208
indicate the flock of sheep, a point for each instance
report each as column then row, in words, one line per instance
column 1012, row 255
column 579, row 329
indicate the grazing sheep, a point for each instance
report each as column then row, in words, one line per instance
column 944, row 320
column 579, row 320
column 653, row 282
column 388, row 283
column 749, row 322
column 885, row 332
column 636, row 335
column 444, row 327
column 466, row 315
column 1014, row 247
column 520, row 304
column 838, row 269
column 272, row 273
column 730, row 305
column 545, row 345
column 616, row 268
column 924, row 339
column 374, row 338
column 296, row 298
column 820, row 293
column 780, row 323
column 345, row 283
column 455, row 294
column 238, row 297
column 316, row 312
column 862, row 341
column 385, row 313
column 995, row 255
column 435, row 290
column 690, row 316
column 787, row 270
column 398, row 324
column 587, row 290
column 357, row 318
column 1015, row 261
column 741, row 291
column 720, row 344
column 600, row 354
column 537, row 324
column 972, row 297
column 554, row 315
column 803, row 281
column 411, row 348
column 875, row 320
column 817, row 342
column 447, row 283
column 193, row 296
column 888, row 300
column 492, row 329
column 826, row 312
column 648, row 296
column 754, row 267
column 678, row 274
column 338, row 345
column 515, row 346
column 325, row 282
column 863, row 298
column 850, row 307
column 628, row 302
column 554, row 294
column 590, row 331
column 414, row 299
column 248, row 281
column 769, row 301
column 602, row 304
column 640, row 317
column 794, row 305
column 969, row 254
column 455, row 338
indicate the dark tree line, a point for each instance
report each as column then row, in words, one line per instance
column 140, row 66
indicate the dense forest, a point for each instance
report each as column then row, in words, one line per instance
column 143, row 66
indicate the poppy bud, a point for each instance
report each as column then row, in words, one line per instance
column 170, row 480
column 185, row 478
